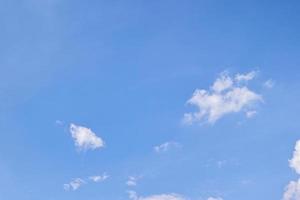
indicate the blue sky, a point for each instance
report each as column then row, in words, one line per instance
column 95, row 97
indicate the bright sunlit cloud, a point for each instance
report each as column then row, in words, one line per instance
column 225, row 96
column 85, row 138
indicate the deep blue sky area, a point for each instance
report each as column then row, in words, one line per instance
column 123, row 72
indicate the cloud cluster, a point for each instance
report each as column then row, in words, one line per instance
column 226, row 95
column 85, row 138
column 76, row 183
column 100, row 178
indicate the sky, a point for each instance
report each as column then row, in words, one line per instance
column 149, row 100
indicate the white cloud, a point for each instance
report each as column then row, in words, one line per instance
column 99, row 178
column 224, row 97
column 269, row 84
column 295, row 161
column 74, row 184
column 292, row 191
column 214, row 198
column 245, row 77
column 85, row 138
column 251, row 113
column 132, row 180
column 133, row 195
column 165, row 146
column 78, row 182
column 222, row 83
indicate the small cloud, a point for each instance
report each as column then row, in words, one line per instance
column 245, row 77
column 74, row 184
column 269, row 84
column 132, row 180
column 78, row 182
column 132, row 195
column 85, row 138
column 59, row 122
column 251, row 113
column 99, row 178
column 225, row 96
column 166, row 146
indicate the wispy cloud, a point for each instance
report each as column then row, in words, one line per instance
column 251, row 113
column 166, row 146
column 269, row 84
column 226, row 95
column 74, row 184
column 132, row 180
column 85, row 138
column 99, row 178
column 59, row 123
column 245, row 77
column 133, row 196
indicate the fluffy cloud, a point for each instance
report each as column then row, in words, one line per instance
column 74, row 184
column 295, row 161
column 225, row 96
column 85, row 138
column 99, row 178
column 292, row 191
column 222, row 83
column 165, row 146
column 133, row 195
